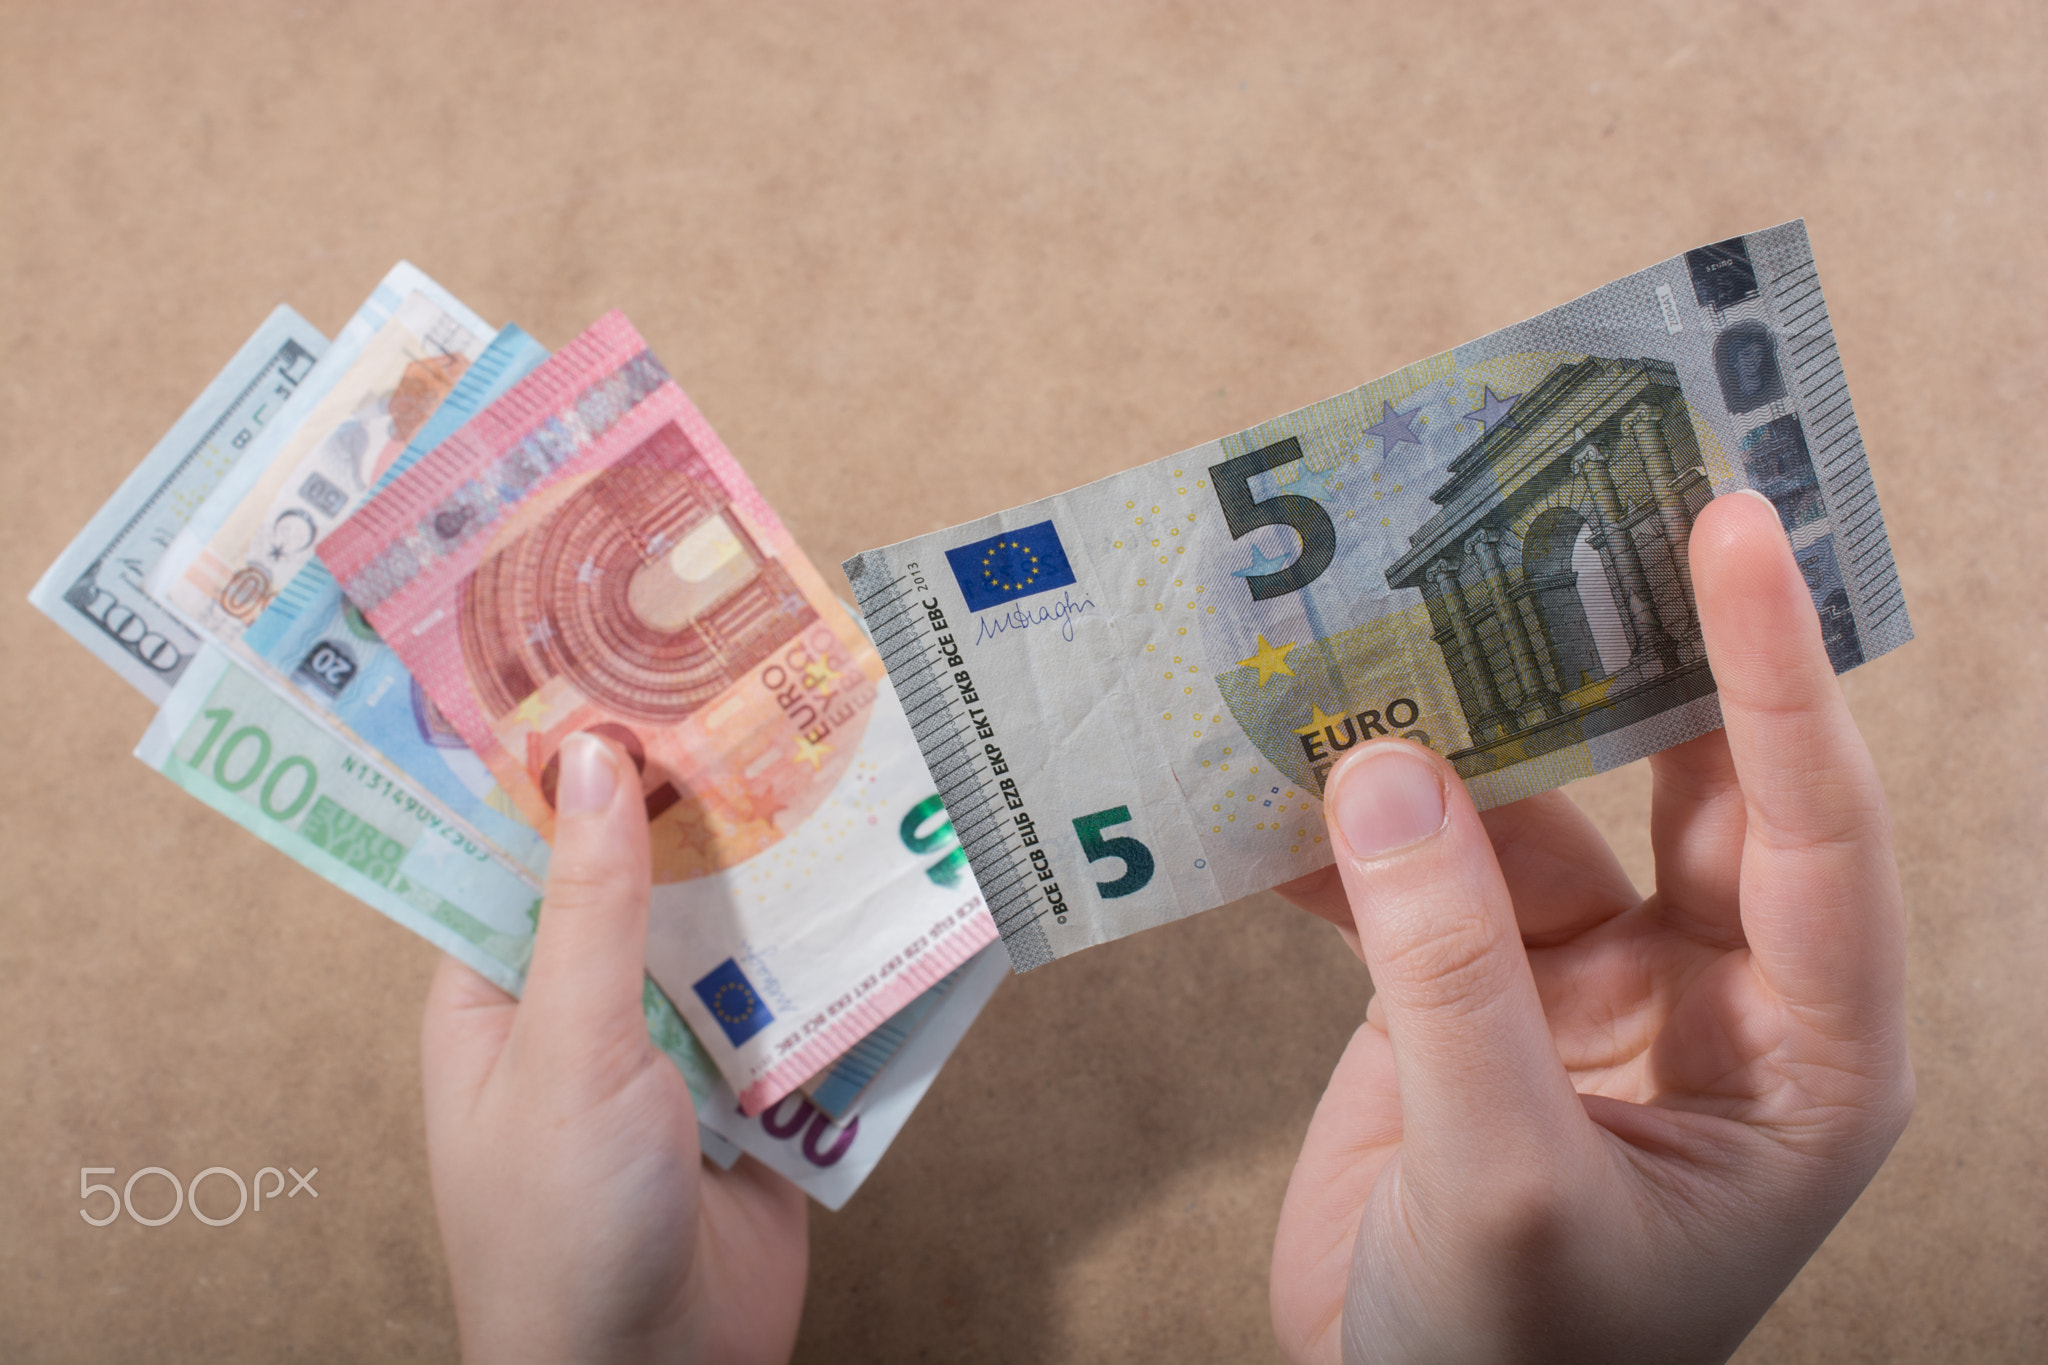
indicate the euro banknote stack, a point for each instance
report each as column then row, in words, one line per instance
column 1130, row 694
column 373, row 583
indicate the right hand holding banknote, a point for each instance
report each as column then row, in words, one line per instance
column 1578, row 1124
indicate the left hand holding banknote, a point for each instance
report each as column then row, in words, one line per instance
column 578, row 1221
column 1579, row 1125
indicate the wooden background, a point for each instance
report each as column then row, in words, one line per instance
column 918, row 263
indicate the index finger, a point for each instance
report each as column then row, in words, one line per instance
column 1820, row 901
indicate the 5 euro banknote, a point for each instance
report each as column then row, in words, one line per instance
column 1131, row 694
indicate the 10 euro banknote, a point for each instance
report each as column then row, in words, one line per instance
column 273, row 743
column 1131, row 694
column 586, row 555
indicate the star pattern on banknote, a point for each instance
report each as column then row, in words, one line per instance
column 1262, row 563
column 794, row 603
column 540, row 632
column 533, row 711
column 1308, row 483
column 811, row 752
column 819, row 675
column 1394, row 428
column 587, row 572
column 1269, row 660
column 1493, row 411
column 1318, row 722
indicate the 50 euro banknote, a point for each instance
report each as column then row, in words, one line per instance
column 1130, row 694
column 386, row 372
column 228, row 737
column 586, row 555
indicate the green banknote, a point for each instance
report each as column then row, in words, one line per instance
column 1131, row 694
column 302, row 785
column 296, row 782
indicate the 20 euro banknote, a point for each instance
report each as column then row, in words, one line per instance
column 318, row 644
column 586, row 555
column 1130, row 694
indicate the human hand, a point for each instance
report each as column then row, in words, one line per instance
column 578, row 1221
column 1580, row 1125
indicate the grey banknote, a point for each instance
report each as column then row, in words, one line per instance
column 1130, row 694
column 95, row 589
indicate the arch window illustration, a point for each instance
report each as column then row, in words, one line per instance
column 643, row 588
column 1555, row 567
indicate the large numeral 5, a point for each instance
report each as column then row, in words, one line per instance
column 1244, row 514
column 1136, row 857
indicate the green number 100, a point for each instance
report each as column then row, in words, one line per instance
column 240, row 742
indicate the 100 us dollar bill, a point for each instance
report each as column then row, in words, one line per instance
column 97, row 588
column 1130, row 694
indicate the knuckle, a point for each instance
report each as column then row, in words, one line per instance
column 1801, row 790
column 572, row 883
column 1443, row 962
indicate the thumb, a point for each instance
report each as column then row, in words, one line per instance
column 1480, row 1080
column 590, row 951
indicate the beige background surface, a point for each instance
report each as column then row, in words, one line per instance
column 917, row 265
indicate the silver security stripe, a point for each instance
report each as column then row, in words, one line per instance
column 1863, row 548
column 958, row 759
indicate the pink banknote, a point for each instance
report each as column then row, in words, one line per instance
column 586, row 555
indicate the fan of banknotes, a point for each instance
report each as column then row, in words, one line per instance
column 374, row 583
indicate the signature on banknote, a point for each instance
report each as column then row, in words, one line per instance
column 1062, row 613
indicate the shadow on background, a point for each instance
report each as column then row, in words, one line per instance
column 1178, row 1066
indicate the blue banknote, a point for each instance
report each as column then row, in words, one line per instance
column 318, row 643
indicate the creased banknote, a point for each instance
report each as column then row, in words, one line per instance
column 347, row 424
column 1130, row 694
column 228, row 737
column 586, row 555
column 323, row 648
column 95, row 589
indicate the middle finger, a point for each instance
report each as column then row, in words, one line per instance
column 1560, row 873
column 1697, row 825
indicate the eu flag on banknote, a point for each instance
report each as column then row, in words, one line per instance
column 733, row 1002
column 1010, row 565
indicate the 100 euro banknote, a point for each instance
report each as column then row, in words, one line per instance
column 586, row 555
column 1131, row 694
column 229, row 738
